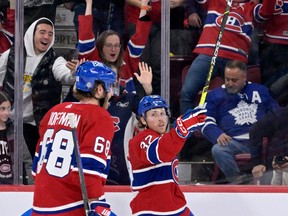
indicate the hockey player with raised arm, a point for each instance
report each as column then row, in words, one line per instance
column 58, row 187
column 152, row 154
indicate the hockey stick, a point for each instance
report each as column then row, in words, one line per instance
column 71, row 117
column 215, row 54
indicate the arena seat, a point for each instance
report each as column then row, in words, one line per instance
column 177, row 63
column 254, row 73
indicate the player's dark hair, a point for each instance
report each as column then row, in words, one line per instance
column 80, row 95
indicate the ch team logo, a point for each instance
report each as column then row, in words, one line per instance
column 234, row 23
column 281, row 7
column 174, row 167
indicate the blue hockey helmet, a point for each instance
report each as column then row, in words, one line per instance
column 152, row 102
column 90, row 71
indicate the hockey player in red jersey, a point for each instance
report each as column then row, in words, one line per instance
column 57, row 183
column 152, row 154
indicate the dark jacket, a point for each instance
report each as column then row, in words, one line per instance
column 274, row 126
column 46, row 91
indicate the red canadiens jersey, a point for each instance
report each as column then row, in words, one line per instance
column 6, row 43
column 236, row 39
column 155, row 180
column 276, row 28
column 7, row 31
column 155, row 13
column 87, row 48
column 57, row 184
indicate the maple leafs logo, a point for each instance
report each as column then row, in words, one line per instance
column 244, row 113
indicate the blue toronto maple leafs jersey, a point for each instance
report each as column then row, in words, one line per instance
column 234, row 114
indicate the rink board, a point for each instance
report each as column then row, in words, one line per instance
column 202, row 200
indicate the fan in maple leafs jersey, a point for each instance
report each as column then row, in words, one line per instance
column 232, row 109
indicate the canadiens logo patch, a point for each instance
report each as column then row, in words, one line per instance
column 5, row 168
column 174, row 167
column 279, row 7
column 234, row 23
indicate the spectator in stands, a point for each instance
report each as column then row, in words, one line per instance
column 123, row 109
column 35, row 9
column 7, row 146
column 153, row 156
column 280, row 173
column 196, row 16
column 183, row 36
column 43, row 75
column 234, row 45
column 107, row 15
column 108, row 47
column 152, row 52
column 232, row 109
column 274, row 58
column 6, row 140
column 4, row 5
column 275, row 128
column 7, row 28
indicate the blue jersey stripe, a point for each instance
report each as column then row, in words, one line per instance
column 153, row 175
column 153, row 152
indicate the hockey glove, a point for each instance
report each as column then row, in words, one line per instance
column 100, row 208
column 190, row 121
